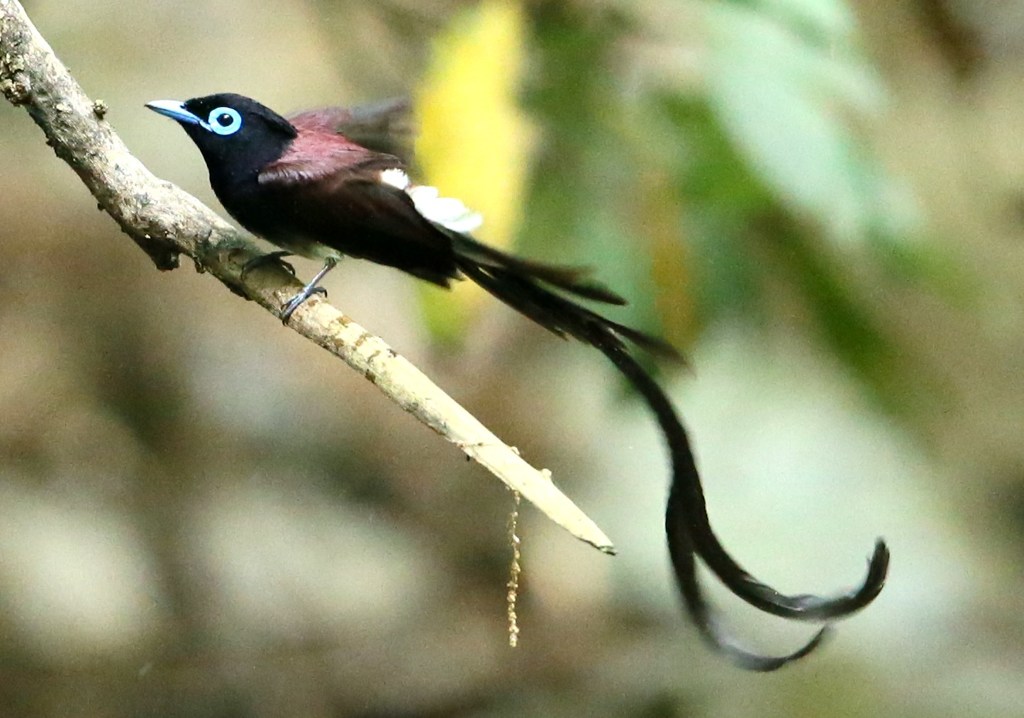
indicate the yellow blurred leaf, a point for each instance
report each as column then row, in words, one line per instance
column 474, row 141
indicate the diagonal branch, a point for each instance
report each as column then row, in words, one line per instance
column 167, row 222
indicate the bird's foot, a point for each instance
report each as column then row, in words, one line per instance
column 269, row 258
column 309, row 290
column 298, row 300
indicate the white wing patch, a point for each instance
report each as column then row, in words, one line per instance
column 448, row 212
column 395, row 177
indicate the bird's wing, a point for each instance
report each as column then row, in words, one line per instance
column 385, row 126
column 355, row 201
column 318, row 156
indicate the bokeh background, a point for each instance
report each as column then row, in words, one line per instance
column 819, row 201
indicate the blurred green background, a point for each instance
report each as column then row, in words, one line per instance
column 820, row 202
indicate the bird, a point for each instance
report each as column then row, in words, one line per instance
column 334, row 182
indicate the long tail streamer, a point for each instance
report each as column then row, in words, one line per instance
column 520, row 284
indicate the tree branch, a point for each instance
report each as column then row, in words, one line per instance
column 167, row 222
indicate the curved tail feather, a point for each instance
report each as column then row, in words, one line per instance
column 520, row 284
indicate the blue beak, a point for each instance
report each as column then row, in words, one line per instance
column 175, row 110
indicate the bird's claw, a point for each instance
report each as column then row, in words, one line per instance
column 298, row 300
column 269, row 258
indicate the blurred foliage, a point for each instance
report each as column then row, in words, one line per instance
column 760, row 165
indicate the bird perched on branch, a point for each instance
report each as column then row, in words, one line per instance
column 327, row 183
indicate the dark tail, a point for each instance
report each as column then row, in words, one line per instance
column 521, row 284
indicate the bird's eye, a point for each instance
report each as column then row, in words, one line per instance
column 225, row 121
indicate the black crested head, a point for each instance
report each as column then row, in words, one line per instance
column 236, row 135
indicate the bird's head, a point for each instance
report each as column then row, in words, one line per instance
column 236, row 134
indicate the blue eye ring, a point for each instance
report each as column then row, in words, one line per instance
column 224, row 121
